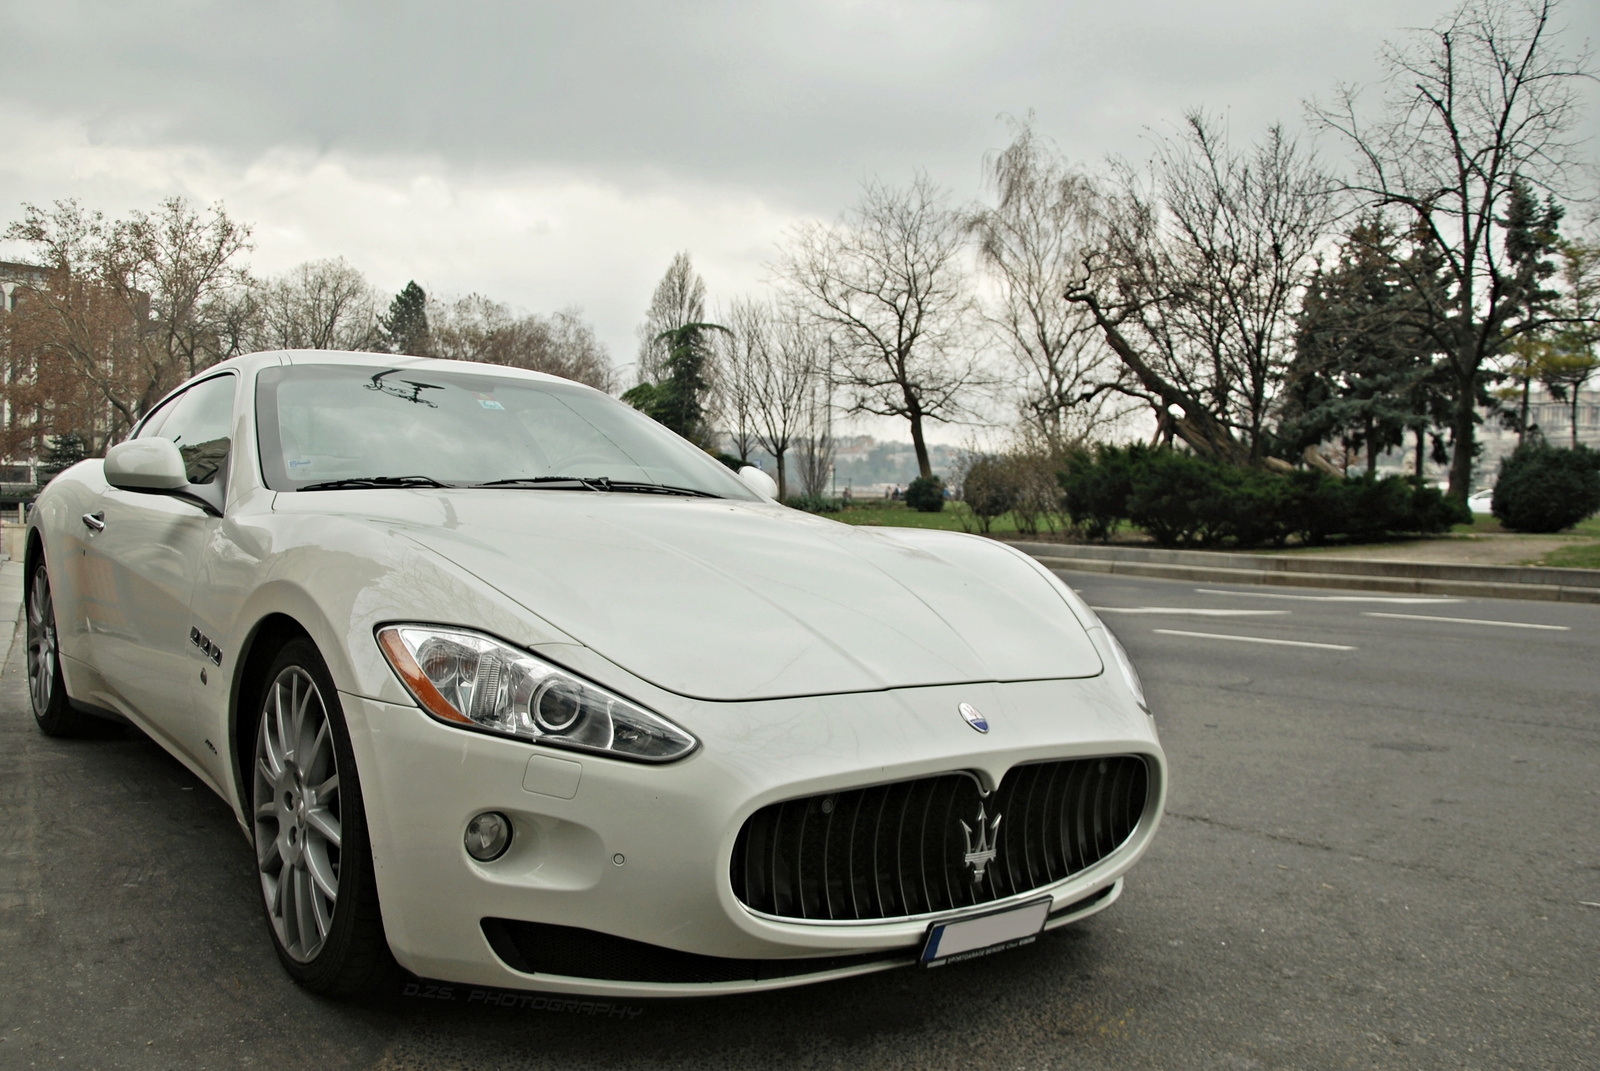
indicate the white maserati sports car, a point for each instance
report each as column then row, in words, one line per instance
column 510, row 685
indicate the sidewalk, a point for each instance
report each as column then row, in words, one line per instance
column 11, row 610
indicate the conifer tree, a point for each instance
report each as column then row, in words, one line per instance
column 404, row 329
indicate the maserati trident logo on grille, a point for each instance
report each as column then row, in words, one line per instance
column 981, row 854
column 974, row 719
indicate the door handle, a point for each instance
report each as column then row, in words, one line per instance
column 95, row 522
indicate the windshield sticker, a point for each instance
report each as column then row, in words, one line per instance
column 299, row 462
column 488, row 402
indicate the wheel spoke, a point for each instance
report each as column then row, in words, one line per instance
column 297, row 715
column 324, row 822
column 285, row 745
column 322, row 874
column 302, row 898
column 322, row 740
column 271, row 861
column 327, row 788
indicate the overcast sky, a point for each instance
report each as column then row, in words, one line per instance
column 555, row 154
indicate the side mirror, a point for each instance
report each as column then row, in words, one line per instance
column 759, row 482
column 146, row 465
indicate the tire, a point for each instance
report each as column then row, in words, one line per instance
column 47, row 690
column 313, row 855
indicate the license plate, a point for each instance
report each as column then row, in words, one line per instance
column 982, row 935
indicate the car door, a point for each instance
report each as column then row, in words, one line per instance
column 148, row 547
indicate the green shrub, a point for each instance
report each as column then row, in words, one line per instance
column 1545, row 488
column 1178, row 498
column 925, row 494
column 1097, row 487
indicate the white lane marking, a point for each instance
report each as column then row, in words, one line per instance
column 1325, row 598
column 1253, row 639
column 1184, row 610
column 1467, row 621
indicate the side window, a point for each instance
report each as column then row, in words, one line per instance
column 199, row 421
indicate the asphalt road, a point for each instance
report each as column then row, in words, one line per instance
column 1382, row 849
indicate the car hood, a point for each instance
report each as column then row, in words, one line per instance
column 732, row 601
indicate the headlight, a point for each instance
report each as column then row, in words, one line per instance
column 1129, row 674
column 466, row 678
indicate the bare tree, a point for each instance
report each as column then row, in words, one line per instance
column 320, row 305
column 679, row 299
column 476, row 328
column 740, row 352
column 130, row 307
column 888, row 283
column 1202, row 268
column 783, row 374
column 1470, row 108
column 813, row 442
column 1033, row 242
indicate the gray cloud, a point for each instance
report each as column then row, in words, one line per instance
column 797, row 99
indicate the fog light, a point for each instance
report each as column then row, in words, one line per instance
column 488, row 836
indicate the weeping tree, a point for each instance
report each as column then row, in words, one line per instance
column 1031, row 243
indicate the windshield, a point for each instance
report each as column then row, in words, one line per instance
column 320, row 424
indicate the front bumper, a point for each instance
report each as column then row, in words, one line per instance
column 642, row 852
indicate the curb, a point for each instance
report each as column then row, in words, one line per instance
column 1412, row 578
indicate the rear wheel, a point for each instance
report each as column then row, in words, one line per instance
column 47, row 691
column 314, row 858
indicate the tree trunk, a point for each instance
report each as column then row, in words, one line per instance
column 1421, row 442
column 924, row 466
column 1522, row 422
column 1463, row 429
column 1200, row 428
column 1372, row 450
column 783, row 479
column 1576, row 387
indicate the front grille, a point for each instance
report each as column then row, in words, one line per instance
column 902, row 849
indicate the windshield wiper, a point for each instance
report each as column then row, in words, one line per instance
column 580, row 483
column 598, row 483
column 374, row 481
column 658, row 489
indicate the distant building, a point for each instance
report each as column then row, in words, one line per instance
column 18, row 476
column 1553, row 418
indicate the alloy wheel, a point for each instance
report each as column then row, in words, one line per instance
column 297, row 813
column 41, row 642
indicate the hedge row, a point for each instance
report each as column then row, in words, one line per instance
column 1183, row 500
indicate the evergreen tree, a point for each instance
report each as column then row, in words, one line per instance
column 404, row 329
column 1361, row 373
column 1531, row 240
column 678, row 401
